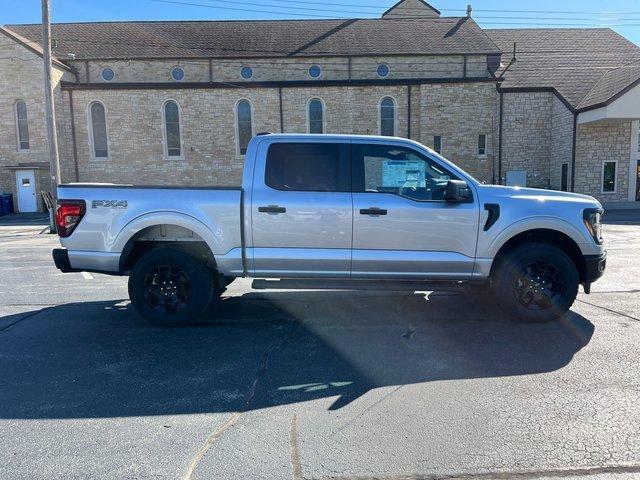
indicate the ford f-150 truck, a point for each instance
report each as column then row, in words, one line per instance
column 341, row 208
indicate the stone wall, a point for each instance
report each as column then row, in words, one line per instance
column 280, row 69
column 22, row 79
column 561, row 146
column 459, row 112
column 596, row 144
column 526, row 142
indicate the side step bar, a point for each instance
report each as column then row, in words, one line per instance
column 345, row 284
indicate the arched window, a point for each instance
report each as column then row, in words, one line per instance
column 244, row 126
column 98, row 131
column 22, row 125
column 388, row 116
column 315, row 115
column 172, row 136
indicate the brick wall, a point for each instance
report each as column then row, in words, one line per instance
column 271, row 69
column 134, row 125
column 561, row 145
column 597, row 143
column 459, row 113
column 22, row 79
column 526, row 141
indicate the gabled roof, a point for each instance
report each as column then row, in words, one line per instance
column 413, row 8
column 265, row 38
column 611, row 85
column 31, row 46
column 586, row 66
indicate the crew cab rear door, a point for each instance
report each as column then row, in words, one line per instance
column 301, row 209
column 402, row 227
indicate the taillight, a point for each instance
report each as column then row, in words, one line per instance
column 68, row 215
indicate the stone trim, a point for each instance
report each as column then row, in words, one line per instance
column 271, row 84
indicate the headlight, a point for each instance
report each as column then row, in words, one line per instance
column 592, row 220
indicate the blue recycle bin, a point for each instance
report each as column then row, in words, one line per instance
column 7, row 203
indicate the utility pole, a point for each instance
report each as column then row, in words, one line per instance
column 50, row 112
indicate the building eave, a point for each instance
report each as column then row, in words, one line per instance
column 28, row 45
column 268, row 84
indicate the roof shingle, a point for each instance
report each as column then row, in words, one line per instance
column 264, row 38
column 571, row 60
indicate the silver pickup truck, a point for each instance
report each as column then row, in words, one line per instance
column 337, row 208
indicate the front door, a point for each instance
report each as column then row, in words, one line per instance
column 402, row 227
column 26, row 188
column 301, row 211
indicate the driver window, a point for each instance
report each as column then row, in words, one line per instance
column 403, row 172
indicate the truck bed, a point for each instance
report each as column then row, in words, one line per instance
column 115, row 213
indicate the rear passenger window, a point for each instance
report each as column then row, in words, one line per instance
column 311, row 167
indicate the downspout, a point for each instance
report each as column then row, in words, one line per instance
column 500, row 122
column 73, row 137
column 409, row 111
column 573, row 152
column 280, row 106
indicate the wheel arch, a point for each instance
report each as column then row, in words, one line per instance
column 163, row 229
column 543, row 235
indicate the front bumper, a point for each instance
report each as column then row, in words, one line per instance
column 594, row 267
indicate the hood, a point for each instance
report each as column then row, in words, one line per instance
column 536, row 195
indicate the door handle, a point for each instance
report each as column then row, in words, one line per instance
column 373, row 211
column 272, row 209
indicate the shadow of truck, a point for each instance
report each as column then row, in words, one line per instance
column 263, row 349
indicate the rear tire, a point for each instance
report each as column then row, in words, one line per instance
column 169, row 287
column 536, row 282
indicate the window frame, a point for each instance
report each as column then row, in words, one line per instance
column 615, row 178
column 324, row 114
column 358, row 180
column 441, row 144
column 242, row 67
column 17, row 123
column 345, row 157
column 237, row 126
column 92, row 143
column 562, row 167
column 319, row 71
column 486, row 146
column 174, row 68
column 102, row 74
column 395, row 115
column 383, row 64
column 165, row 144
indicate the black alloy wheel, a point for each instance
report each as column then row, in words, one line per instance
column 539, row 286
column 168, row 289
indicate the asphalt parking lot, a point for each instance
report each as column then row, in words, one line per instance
column 297, row 384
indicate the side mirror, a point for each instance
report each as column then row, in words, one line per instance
column 457, row 191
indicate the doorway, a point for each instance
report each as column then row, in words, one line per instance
column 26, row 188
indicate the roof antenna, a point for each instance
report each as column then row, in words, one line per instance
column 469, row 9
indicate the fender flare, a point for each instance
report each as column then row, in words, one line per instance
column 134, row 226
column 535, row 223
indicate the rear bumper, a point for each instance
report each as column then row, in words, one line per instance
column 594, row 266
column 61, row 259
column 79, row 261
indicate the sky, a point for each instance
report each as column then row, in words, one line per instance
column 621, row 15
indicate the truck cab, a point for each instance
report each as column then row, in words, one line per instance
column 346, row 208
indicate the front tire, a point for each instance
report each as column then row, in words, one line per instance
column 536, row 282
column 169, row 287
